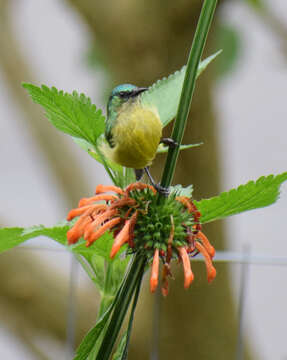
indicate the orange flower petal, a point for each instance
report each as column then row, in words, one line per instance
column 106, row 188
column 123, row 202
column 210, row 249
column 139, row 186
column 79, row 211
column 90, row 229
column 78, row 229
column 90, row 200
column 211, row 271
column 131, row 229
column 154, row 271
column 192, row 209
column 108, row 225
column 188, row 274
column 121, row 238
column 185, row 201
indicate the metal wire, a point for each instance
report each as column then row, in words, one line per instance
column 242, row 301
column 221, row 256
column 245, row 258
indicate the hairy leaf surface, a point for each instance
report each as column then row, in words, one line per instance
column 73, row 114
column 164, row 94
column 253, row 195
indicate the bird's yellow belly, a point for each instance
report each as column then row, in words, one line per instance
column 137, row 134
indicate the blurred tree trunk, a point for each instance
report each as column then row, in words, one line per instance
column 141, row 42
column 69, row 179
column 34, row 299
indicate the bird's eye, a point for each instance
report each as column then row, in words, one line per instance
column 122, row 93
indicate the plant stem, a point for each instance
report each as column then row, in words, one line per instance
column 130, row 285
column 108, row 170
column 195, row 54
column 106, row 298
column 129, row 330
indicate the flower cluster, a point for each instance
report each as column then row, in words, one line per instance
column 166, row 230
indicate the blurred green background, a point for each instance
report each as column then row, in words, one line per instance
column 239, row 112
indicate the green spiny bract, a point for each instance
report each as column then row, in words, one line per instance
column 158, row 223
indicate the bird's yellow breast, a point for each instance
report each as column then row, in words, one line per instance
column 136, row 135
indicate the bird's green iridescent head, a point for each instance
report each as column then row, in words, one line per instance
column 121, row 94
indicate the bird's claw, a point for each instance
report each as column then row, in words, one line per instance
column 169, row 142
column 162, row 190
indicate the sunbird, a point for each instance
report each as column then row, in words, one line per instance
column 133, row 130
column 136, row 117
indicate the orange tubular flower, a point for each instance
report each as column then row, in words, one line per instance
column 106, row 226
column 121, row 238
column 209, row 248
column 106, row 188
column 154, row 271
column 188, row 274
column 91, row 200
column 211, row 272
column 99, row 220
column 166, row 231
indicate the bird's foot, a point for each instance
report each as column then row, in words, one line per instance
column 169, row 142
column 139, row 174
column 162, row 190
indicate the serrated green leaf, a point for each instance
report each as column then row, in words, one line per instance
column 101, row 247
column 107, row 281
column 11, row 237
column 96, row 255
column 164, row 149
column 164, row 95
column 182, row 191
column 73, row 114
column 98, row 265
column 117, row 271
column 253, row 195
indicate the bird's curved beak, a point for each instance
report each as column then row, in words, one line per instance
column 139, row 90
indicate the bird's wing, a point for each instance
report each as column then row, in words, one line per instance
column 165, row 93
column 108, row 131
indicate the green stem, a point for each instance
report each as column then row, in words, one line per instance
column 131, row 283
column 108, row 170
column 199, row 40
column 129, row 330
column 86, row 266
column 106, row 298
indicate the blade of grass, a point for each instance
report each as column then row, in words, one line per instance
column 195, row 54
